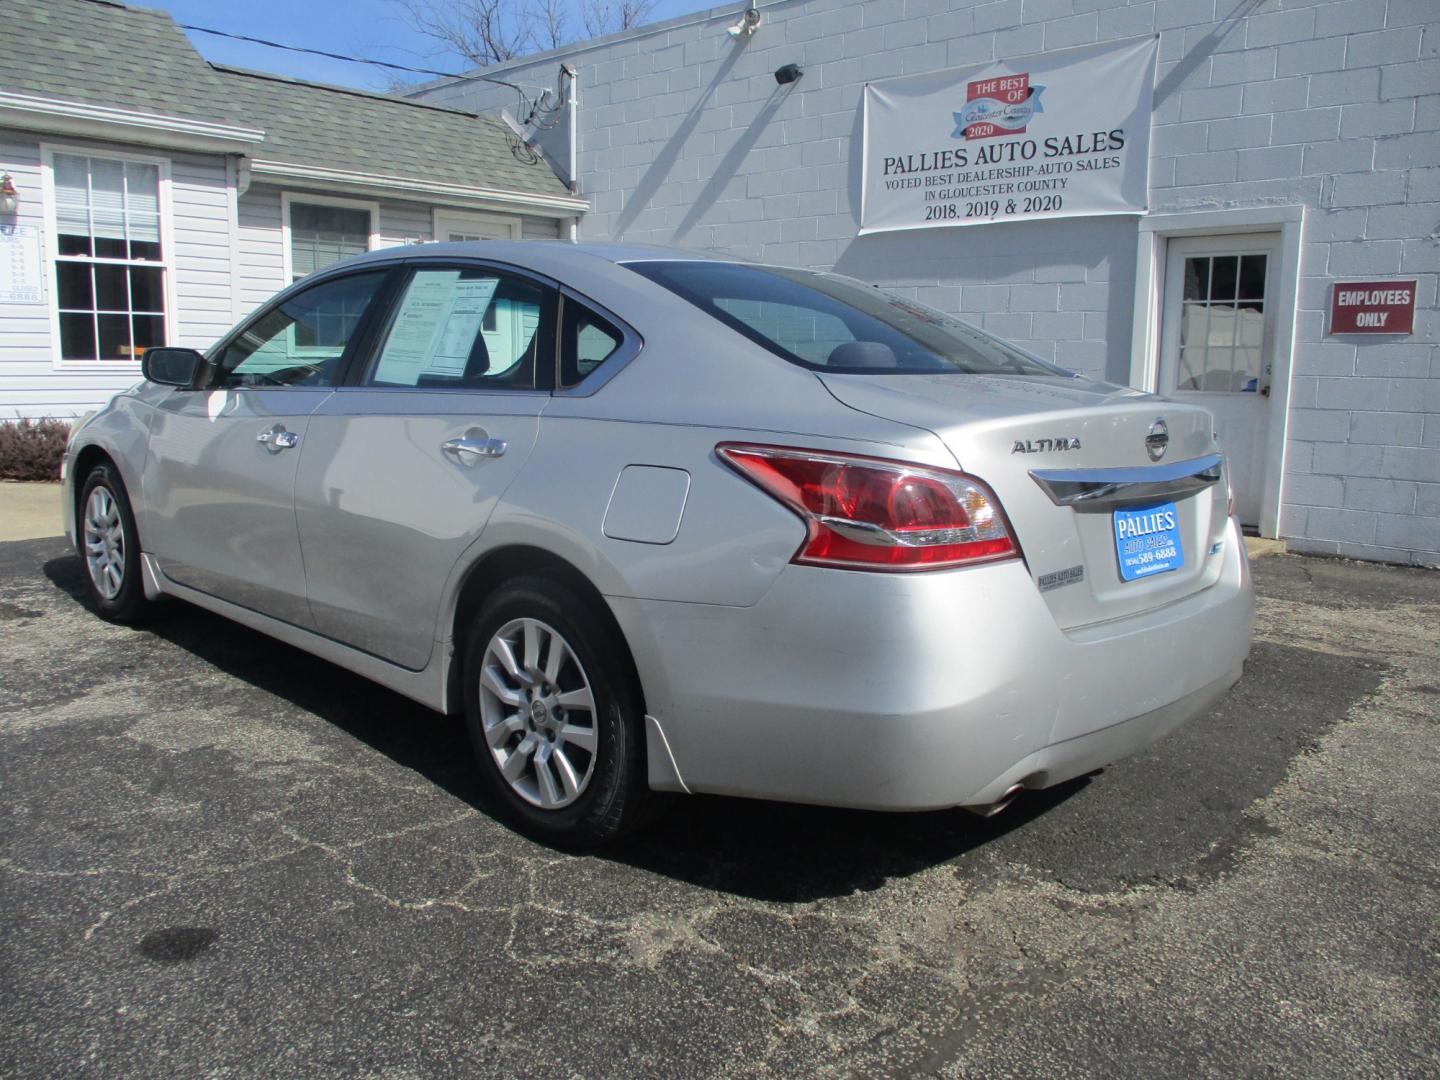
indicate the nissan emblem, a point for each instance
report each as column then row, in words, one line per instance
column 1157, row 439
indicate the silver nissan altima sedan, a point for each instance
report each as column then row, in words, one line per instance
column 657, row 522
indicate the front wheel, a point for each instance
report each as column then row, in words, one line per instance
column 110, row 546
column 554, row 717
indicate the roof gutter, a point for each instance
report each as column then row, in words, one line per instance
column 401, row 187
column 52, row 116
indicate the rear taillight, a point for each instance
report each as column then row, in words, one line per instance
column 872, row 514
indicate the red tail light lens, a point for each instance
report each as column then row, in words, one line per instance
column 873, row 514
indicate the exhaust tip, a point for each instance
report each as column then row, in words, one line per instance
column 989, row 810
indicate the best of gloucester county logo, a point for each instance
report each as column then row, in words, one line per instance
column 1000, row 106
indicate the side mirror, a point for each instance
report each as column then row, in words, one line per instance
column 172, row 367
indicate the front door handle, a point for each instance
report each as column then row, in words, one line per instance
column 277, row 438
column 469, row 451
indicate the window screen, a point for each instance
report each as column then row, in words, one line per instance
column 323, row 235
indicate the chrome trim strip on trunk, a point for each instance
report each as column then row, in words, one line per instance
column 1097, row 489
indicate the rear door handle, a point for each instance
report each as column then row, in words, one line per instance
column 277, row 438
column 469, row 451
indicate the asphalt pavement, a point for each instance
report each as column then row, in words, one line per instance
column 222, row 857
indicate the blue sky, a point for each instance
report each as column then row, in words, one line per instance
column 371, row 28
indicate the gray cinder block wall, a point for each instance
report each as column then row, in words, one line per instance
column 686, row 139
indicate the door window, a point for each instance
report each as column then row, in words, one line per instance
column 472, row 328
column 1222, row 324
column 302, row 340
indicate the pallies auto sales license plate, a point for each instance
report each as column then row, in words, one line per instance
column 1147, row 541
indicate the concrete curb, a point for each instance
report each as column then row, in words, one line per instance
column 29, row 511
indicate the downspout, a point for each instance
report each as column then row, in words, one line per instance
column 572, row 229
column 237, row 182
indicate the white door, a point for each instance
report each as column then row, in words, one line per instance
column 1216, row 346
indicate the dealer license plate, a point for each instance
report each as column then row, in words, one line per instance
column 1147, row 541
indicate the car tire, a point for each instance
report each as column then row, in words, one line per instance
column 109, row 547
column 554, row 716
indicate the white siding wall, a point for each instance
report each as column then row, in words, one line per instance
column 31, row 383
column 200, row 209
column 26, row 386
column 259, row 263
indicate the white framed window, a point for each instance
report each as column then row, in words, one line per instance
column 453, row 225
column 320, row 230
column 110, row 248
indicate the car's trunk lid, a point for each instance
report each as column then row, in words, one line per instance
column 1064, row 456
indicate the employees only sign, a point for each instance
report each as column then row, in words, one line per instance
column 1372, row 307
column 1060, row 134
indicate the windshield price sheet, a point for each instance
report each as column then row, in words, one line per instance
column 1063, row 134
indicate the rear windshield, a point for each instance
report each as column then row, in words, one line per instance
column 831, row 323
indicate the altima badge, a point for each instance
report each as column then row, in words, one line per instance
column 1040, row 446
column 1158, row 439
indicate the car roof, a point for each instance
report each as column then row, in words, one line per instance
column 540, row 255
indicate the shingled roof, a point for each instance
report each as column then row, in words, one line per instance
column 103, row 53
column 312, row 124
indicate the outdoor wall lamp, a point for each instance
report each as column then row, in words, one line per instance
column 749, row 22
column 788, row 74
column 9, row 197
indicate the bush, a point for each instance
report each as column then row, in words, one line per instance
column 32, row 449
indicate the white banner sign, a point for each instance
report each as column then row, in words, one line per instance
column 20, row 279
column 1060, row 134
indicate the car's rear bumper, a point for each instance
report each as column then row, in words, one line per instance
column 911, row 692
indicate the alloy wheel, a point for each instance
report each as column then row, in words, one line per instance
column 104, row 543
column 538, row 713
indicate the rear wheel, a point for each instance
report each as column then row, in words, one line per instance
column 554, row 717
column 110, row 545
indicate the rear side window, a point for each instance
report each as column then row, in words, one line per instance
column 467, row 329
column 831, row 323
column 587, row 340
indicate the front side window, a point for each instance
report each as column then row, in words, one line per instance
column 468, row 329
column 110, row 265
column 831, row 323
column 300, row 341
column 323, row 235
